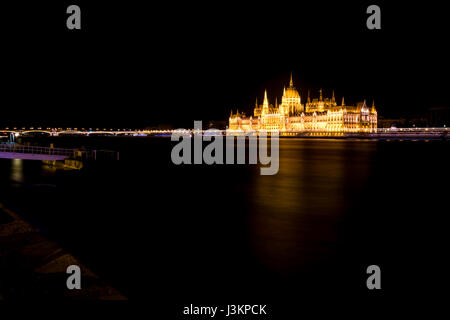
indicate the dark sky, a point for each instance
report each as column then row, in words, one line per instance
column 137, row 64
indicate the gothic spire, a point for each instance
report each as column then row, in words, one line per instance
column 266, row 101
column 291, row 83
column 373, row 107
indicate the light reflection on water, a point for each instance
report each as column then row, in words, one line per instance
column 22, row 172
column 331, row 200
column 16, row 172
column 297, row 212
column 294, row 216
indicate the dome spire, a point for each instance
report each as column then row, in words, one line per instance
column 291, row 83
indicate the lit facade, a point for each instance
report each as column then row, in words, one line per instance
column 320, row 115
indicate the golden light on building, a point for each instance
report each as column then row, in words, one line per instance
column 320, row 115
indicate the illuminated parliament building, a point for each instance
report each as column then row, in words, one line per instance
column 320, row 115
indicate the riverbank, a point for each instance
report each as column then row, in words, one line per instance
column 33, row 267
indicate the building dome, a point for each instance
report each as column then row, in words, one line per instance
column 291, row 92
column 291, row 102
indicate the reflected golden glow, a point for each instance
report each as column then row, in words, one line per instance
column 297, row 221
column 17, row 170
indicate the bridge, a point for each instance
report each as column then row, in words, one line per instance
column 84, row 132
column 441, row 132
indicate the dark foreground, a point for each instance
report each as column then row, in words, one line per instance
column 225, row 234
column 34, row 268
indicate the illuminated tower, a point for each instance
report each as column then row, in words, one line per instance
column 257, row 111
column 320, row 105
column 265, row 108
column 291, row 102
column 333, row 100
column 373, row 118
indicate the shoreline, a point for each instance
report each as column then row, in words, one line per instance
column 34, row 267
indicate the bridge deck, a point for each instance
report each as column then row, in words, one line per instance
column 30, row 156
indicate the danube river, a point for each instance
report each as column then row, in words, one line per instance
column 221, row 232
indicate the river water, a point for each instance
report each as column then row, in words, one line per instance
column 216, row 232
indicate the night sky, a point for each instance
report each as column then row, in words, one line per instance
column 139, row 64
